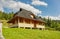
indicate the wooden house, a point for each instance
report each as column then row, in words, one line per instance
column 26, row 19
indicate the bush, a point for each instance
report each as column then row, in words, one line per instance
column 48, row 28
column 58, row 28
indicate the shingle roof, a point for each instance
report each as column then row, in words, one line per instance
column 26, row 14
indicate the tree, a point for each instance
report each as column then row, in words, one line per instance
column 6, row 16
column 48, row 22
column 10, row 15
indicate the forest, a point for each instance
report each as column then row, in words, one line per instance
column 50, row 24
column 6, row 16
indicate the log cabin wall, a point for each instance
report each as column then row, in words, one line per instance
column 29, row 23
column 22, row 22
column 40, row 26
column 25, row 23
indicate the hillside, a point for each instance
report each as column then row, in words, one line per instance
column 17, row 33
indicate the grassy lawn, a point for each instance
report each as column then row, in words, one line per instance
column 17, row 33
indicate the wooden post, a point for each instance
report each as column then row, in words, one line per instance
column 1, row 36
column 24, row 23
column 18, row 23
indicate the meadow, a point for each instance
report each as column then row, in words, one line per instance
column 19, row 33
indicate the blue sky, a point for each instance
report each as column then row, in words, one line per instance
column 52, row 9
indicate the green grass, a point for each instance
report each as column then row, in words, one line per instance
column 17, row 33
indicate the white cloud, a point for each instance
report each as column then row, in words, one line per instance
column 29, row 8
column 15, row 6
column 1, row 8
column 53, row 17
column 38, row 2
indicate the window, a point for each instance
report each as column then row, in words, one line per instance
column 27, row 21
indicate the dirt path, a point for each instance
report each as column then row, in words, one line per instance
column 1, row 36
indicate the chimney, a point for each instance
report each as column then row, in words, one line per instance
column 20, row 9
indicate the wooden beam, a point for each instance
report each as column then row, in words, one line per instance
column 18, row 23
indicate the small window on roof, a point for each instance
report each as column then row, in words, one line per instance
column 32, row 16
